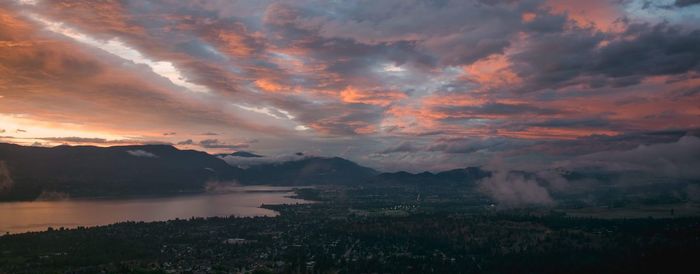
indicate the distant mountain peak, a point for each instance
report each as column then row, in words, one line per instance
column 308, row 171
column 241, row 153
column 460, row 176
column 245, row 154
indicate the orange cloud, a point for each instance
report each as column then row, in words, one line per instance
column 269, row 85
column 528, row 17
column 410, row 120
column 233, row 39
column 379, row 98
column 234, row 44
column 493, row 71
column 601, row 14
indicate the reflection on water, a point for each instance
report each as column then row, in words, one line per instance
column 19, row 217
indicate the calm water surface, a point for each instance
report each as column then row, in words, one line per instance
column 17, row 217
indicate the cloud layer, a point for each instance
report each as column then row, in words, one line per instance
column 393, row 84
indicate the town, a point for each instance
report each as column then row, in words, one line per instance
column 365, row 230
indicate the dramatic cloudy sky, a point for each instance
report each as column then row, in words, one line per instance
column 399, row 84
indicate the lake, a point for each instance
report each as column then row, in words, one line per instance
column 17, row 217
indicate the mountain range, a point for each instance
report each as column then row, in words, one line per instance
column 28, row 173
column 454, row 177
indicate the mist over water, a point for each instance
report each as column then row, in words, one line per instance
column 18, row 217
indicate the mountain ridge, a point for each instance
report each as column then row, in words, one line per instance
column 241, row 153
column 128, row 170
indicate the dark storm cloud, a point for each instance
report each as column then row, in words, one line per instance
column 685, row 3
column 676, row 160
column 552, row 60
column 402, row 147
column 451, row 33
column 600, row 143
column 470, row 145
column 360, row 119
column 473, row 112
column 685, row 93
column 547, row 23
column 355, row 61
column 573, row 123
column 657, row 50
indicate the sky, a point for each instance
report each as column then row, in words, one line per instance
column 392, row 84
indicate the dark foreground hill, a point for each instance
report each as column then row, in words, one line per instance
column 112, row 171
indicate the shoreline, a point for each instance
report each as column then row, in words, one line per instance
column 290, row 196
column 166, row 194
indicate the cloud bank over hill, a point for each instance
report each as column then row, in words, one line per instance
column 513, row 190
column 245, row 162
column 670, row 164
column 679, row 159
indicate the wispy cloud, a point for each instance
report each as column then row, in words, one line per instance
column 141, row 153
column 118, row 48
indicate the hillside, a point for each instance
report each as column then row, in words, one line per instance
column 85, row 171
column 310, row 170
